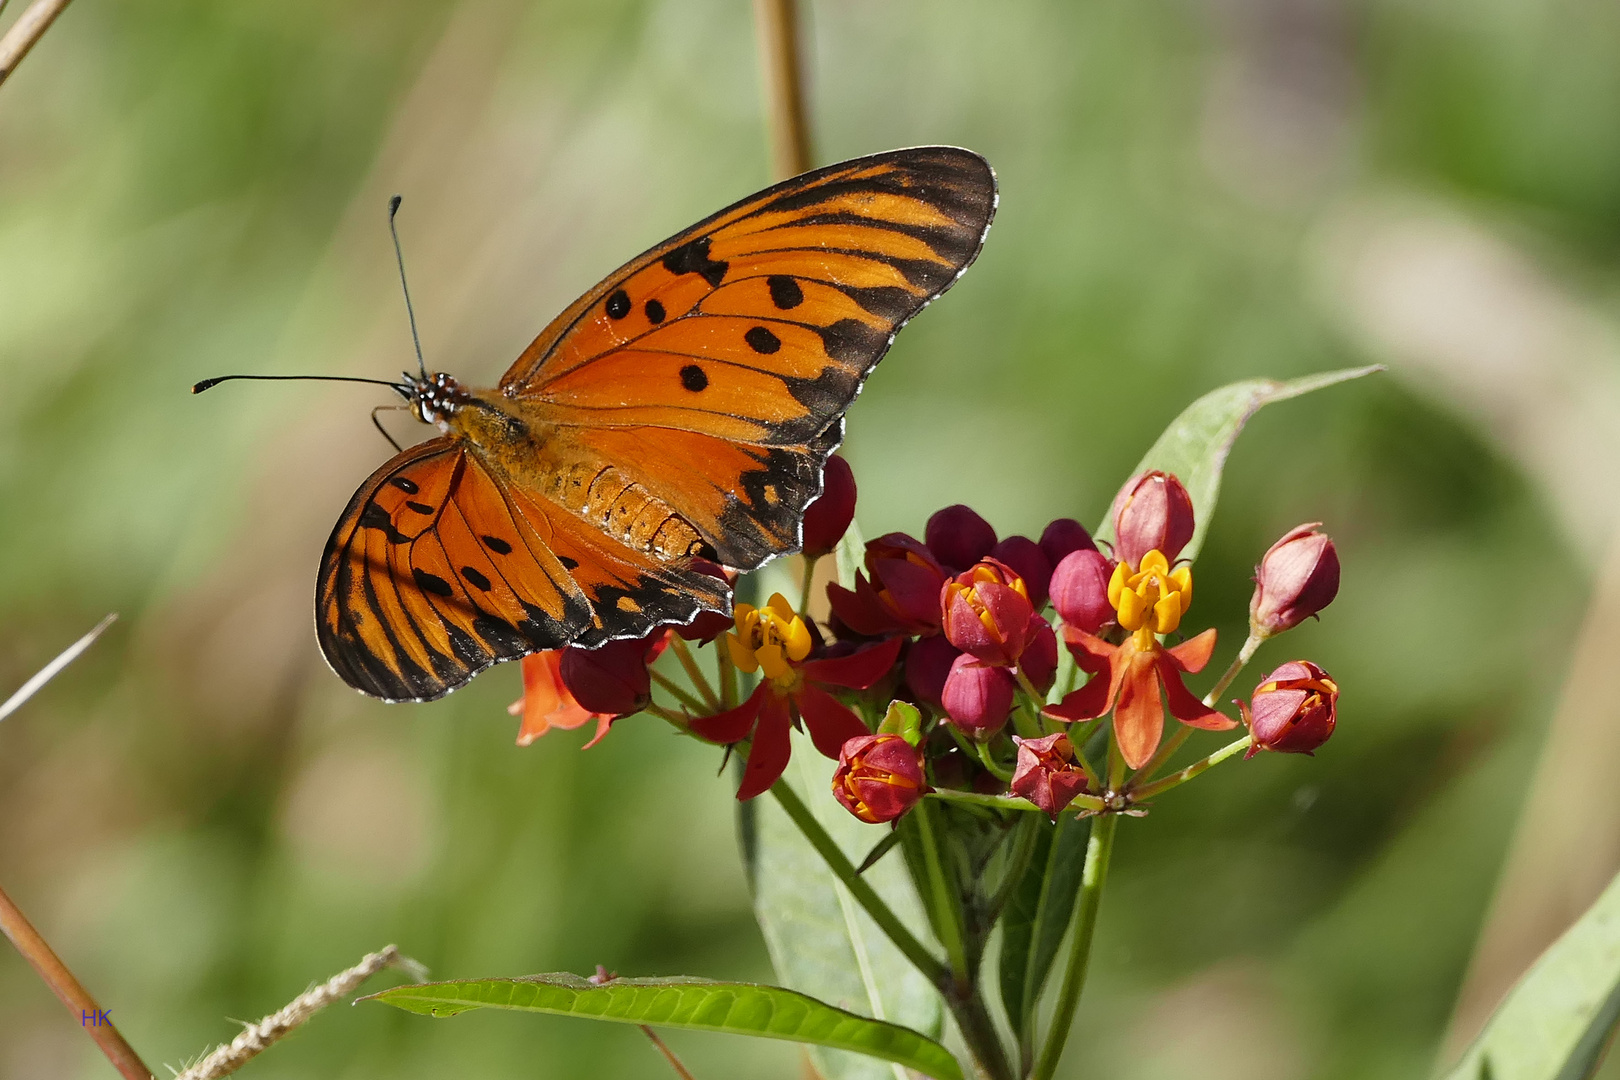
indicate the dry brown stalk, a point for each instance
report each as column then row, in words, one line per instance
column 777, row 24
column 29, row 28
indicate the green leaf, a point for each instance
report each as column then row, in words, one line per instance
column 821, row 942
column 1195, row 445
column 1558, row 1019
column 851, row 555
column 1038, row 914
column 696, row 1004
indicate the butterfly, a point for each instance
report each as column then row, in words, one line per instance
column 681, row 409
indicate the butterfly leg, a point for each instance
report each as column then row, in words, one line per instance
column 378, row 423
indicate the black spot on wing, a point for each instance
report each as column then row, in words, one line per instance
column 692, row 257
column 420, row 508
column 761, row 340
column 568, row 564
column 851, row 341
column 406, row 485
column 375, row 517
column 432, row 583
column 887, row 301
column 477, row 579
column 497, row 545
column 618, row 305
column 655, row 312
column 693, row 378
column 785, row 292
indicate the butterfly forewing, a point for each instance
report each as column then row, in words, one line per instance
column 715, row 368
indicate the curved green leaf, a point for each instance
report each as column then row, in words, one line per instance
column 697, row 1004
column 1558, row 1020
column 1195, row 445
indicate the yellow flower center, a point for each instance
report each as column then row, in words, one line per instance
column 770, row 639
column 1152, row 598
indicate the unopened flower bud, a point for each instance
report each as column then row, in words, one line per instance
column 1063, row 537
column 1293, row 710
column 986, row 611
column 1080, row 590
column 827, row 519
column 1296, row 578
column 611, row 678
column 1046, row 773
column 1040, row 658
column 1030, row 563
column 928, row 662
column 958, row 537
column 879, row 777
column 1152, row 513
column 978, row 697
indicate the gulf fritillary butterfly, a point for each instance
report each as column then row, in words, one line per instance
column 684, row 407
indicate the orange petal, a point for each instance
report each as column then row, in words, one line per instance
column 1191, row 655
column 546, row 701
column 1139, row 714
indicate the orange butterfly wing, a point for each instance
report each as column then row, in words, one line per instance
column 436, row 570
column 714, row 370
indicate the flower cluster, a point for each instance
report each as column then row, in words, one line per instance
column 963, row 631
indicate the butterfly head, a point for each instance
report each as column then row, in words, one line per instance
column 435, row 397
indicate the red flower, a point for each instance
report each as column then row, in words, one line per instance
column 928, row 663
column 899, row 593
column 1296, row 578
column 1029, row 562
column 986, row 612
column 958, row 536
column 827, row 519
column 567, row 688
column 1062, row 538
column 978, row 697
column 776, row 642
column 1152, row 513
column 1046, row 773
column 879, row 777
column 1080, row 590
column 1294, row 710
column 1137, row 681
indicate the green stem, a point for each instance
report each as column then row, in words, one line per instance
column 1027, row 832
column 863, row 893
column 1166, row 751
column 1029, row 688
column 809, row 580
column 947, row 909
column 1009, row 802
column 1092, row 879
column 1116, row 763
column 1244, row 655
column 999, row 771
column 678, row 691
column 1181, row 776
column 677, row 719
column 728, row 676
column 700, row 682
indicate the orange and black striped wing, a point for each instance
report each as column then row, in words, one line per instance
column 437, row 569
column 716, row 368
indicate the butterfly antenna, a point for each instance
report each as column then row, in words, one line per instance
column 399, row 257
column 206, row 384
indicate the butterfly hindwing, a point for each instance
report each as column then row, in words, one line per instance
column 715, row 368
column 437, row 570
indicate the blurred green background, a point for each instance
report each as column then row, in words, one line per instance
column 203, row 819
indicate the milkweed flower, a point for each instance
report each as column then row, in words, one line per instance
column 1297, row 577
column 1080, row 590
column 776, row 642
column 879, row 777
column 568, row 688
column 1138, row 678
column 1046, row 773
column 958, row 536
column 828, row 518
column 897, row 593
column 986, row 611
column 1293, row 711
column 978, row 697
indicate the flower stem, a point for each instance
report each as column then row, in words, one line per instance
column 669, row 1055
column 809, row 566
column 777, row 24
column 863, row 893
column 79, row 1003
column 946, row 903
column 674, row 718
column 999, row 771
column 29, row 27
column 700, row 682
column 1244, row 655
column 678, row 691
column 728, row 677
column 1029, row 688
column 1092, row 879
column 1181, row 776
column 1008, row 802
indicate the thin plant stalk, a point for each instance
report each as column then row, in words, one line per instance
column 26, row 32
column 1009, row 802
column 864, row 894
column 809, row 567
column 1181, row 776
column 1099, row 849
column 727, row 677
column 1245, row 654
column 776, row 23
column 944, row 901
column 679, row 692
column 700, row 682
column 1167, row 750
column 669, row 1055
column 89, row 1015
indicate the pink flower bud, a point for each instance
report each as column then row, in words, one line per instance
column 978, row 697
column 928, row 662
column 1030, row 562
column 1062, row 537
column 1080, row 590
column 1296, row 578
column 1152, row 513
column 985, row 611
column 1046, row 773
column 879, row 777
column 958, row 537
column 1293, row 710
column 827, row 519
